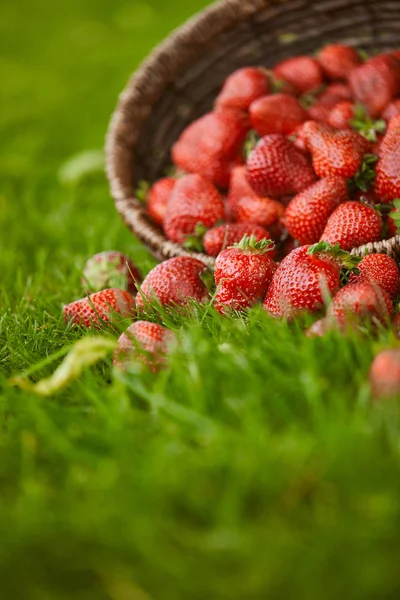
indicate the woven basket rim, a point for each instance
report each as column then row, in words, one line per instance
column 217, row 18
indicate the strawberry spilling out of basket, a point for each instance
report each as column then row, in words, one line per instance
column 292, row 171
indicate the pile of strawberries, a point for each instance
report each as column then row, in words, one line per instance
column 293, row 169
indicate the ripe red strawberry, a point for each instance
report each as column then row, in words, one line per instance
column 384, row 375
column 174, row 281
column 322, row 326
column 387, row 182
column 391, row 110
column 376, row 82
column 276, row 168
column 303, row 72
column 337, row 60
column 110, row 269
column 262, row 211
column 242, row 87
column 352, row 224
column 307, row 214
column 239, row 186
column 302, row 282
column 194, row 200
column 334, row 93
column 159, row 197
column 379, row 269
column 334, row 151
column 100, row 307
column 276, row 113
column 359, row 301
column 145, row 342
column 217, row 239
column 242, row 274
column 341, row 114
column 211, row 145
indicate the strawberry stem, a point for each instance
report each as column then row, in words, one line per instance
column 249, row 242
column 366, row 126
column 365, row 176
column 250, row 142
column 194, row 241
column 345, row 259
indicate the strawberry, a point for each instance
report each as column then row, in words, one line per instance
column 174, row 281
column 322, row 326
column 337, row 60
column 99, row 307
column 276, row 168
column 361, row 301
column 352, row 224
column 211, row 145
column 302, row 282
column 334, row 151
column 262, row 211
column 277, row 113
column 376, row 82
column 194, row 200
column 307, row 214
column 219, row 238
column 387, row 182
column 384, row 374
column 391, row 110
column 303, row 72
column 159, row 196
column 379, row 269
column 110, row 269
column 334, row 93
column 242, row 274
column 143, row 341
column 242, row 87
column 341, row 114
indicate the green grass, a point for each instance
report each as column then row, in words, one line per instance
column 255, row 466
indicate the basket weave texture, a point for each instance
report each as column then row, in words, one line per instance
column 180, row 79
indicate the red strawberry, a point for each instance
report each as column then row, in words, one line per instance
column 376, row 82
column 341, row 114
column 379, row 269
column 391, row 110
column 143, row 341
column 194, row 200
column 361, row 300
column 307, row 214
column 352, row 224
column 159, row 197
column 110, row 269
column 334, row 93
column 334, row 151
column 238, row 188
column 387, row 182
column 211, row 145
column 276, row 168
column 242, row 87
column 100, row 307
column 219, row 238
column 337, row 60
column 277, row 113
column 174, row 281
column 243, row 274
column 322, row 326
column 384, row 375
column 262, row 211
column 302, row 282
column 303, row 72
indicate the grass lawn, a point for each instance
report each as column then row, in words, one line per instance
column 255, row 466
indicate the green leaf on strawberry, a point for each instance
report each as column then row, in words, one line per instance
column 365, row 176
column 366, row 126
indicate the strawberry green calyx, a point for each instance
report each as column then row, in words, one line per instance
column 366, row 126
column 250, row 142
column 345, row 259
column 308, row 98
column 142, row 191
column 249, row 242
column 194, row 241
column 395, row 214
column 365, row 176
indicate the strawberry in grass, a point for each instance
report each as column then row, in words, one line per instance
column 338, row 60
column 379, row 269
column 110, row 269
column 361, row 301
column 276, row 113
column 308, row 212
column 353, row 224
column 306, row 279
column 384, row 375
column 242, row 87
column 194, row 201
column 145, row 342
column 159, row 197
column 174, row 281
column 211, row 146
column 242, row 274
column 275, row 167
column 217, row 239
column 101, row 307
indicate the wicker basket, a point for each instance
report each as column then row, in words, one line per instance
column 178, row 82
